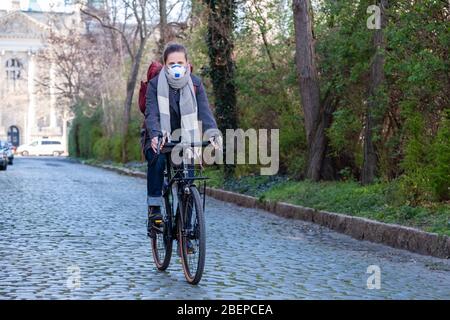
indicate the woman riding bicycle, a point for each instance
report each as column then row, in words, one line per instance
column 176, row 99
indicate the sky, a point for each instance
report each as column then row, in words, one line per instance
column 43, row 4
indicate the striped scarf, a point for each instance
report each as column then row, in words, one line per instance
column 188, row 106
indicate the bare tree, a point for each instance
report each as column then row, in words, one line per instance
column 170, row 28
column 78, row 60
column 134, row 29
column 73, row 64
column 162, row 25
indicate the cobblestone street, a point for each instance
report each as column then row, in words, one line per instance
column 60, row 220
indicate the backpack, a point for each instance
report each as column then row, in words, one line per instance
column 153, row 70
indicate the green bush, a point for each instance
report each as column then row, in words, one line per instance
column 102, row 149
column 440, row 164
column 116, row 148
column 87, row 138
column 426, row 162
column 133, row 140
column 86, row 129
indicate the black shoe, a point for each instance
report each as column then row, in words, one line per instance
column 190, row 247
column 154, row 219
column 154, row 213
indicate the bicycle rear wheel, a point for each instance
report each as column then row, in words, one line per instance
column 194, row 261
column 163, row 240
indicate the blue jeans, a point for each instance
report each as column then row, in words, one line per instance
column 155, row 176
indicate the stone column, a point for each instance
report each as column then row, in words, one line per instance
column 31, row 119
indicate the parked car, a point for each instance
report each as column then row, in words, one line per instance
column 41, row 147
column 12, row 147
column 3, row 160
column 6, row 146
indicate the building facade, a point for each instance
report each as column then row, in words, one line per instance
column 29, row 110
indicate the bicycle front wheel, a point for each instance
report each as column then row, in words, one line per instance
column 192, row 237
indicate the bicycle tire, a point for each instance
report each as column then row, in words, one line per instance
column 163, row 254
column 200, row 238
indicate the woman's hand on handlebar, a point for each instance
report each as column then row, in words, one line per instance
column 155, row 141
column 215, row 142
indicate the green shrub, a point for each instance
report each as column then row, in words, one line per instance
column 440, row 164
column 116, row 148
column 133, row 140
column 102, row 149
column 86, row 129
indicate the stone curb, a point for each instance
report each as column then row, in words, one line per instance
column 393, row 235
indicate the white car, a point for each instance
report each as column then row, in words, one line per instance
column 41, row 148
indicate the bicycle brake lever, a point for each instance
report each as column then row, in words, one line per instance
column 158, row 148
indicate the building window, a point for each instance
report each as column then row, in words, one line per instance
column 13, row 69
column 13, row 73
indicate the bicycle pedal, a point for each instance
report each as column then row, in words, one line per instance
column 157, row 229
column 151, row 235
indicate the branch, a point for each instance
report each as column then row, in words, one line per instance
column 110, row 27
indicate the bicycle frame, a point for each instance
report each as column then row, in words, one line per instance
column 183, row 181
column 182, row 196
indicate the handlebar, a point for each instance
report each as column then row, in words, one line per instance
column 173, row 144
column 192, row 144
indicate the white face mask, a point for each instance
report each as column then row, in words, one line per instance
column 177, row 71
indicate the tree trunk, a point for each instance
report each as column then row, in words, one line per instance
column 221, row 15
column 162, row 25
column 309, row 88
column 266, row 46
column 374, row 104
column 76, row 136
column 328, row 169
column 196, row 14
column 131, row 85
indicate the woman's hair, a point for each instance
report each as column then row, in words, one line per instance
column 173, row 47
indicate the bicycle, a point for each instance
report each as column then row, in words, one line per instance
column 183, row 215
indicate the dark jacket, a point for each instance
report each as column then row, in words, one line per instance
column 152, row 124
